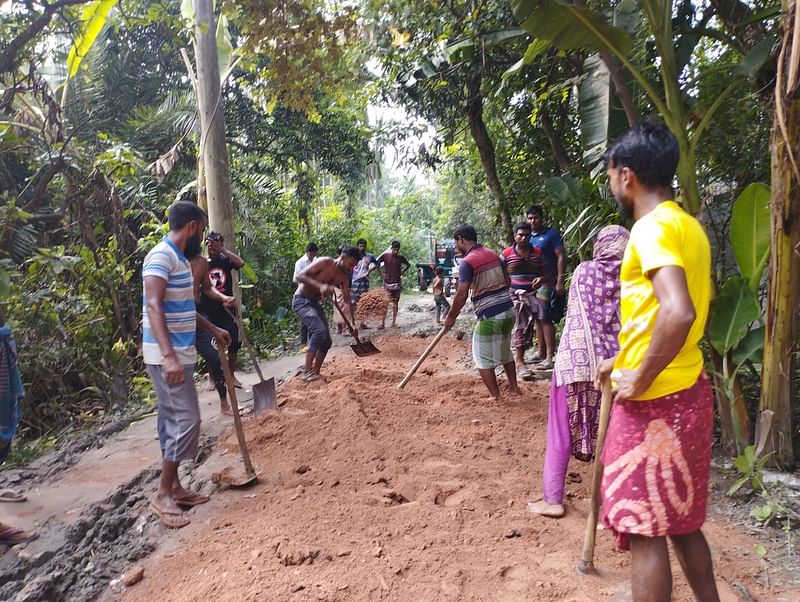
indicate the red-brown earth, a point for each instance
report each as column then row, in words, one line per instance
column 367, row 492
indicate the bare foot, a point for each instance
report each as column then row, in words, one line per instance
column 225, row 410
column 544, row 509
column 516, row 390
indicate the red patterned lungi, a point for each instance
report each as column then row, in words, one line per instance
column 656, row 456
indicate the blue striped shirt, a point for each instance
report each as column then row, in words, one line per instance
column 166, row 261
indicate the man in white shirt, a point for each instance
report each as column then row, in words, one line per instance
column 301, row 264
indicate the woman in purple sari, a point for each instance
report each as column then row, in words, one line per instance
column 589, row 336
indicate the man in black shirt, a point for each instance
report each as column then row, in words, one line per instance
column 221, row 263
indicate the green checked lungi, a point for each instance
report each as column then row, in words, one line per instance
column 491, row 341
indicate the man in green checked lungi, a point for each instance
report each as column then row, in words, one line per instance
column 482, row 272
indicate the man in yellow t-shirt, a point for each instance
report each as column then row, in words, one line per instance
column 658, row 447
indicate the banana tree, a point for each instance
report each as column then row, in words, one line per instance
column 575, row 27
column 783, row 295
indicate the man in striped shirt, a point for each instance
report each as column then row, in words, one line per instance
column 526, row 268
column 482, row 272
column 168, row 347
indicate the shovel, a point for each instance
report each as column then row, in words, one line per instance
column 421, row 359
column 586, row 564
column 360, row 348
column 237, row 423
column 264, row 397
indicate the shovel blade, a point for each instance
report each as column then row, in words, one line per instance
column 364, row 348
column 264, row 396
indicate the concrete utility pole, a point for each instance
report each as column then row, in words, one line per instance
column 213, row 151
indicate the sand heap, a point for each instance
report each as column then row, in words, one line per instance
column 372, row 304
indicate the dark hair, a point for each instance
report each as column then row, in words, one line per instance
column 466, row 232
column 181, row 213
column 649, row 150
column 395, row 244
column 522, row 226
column 215, row 236
column 311, row 247
column 439, row 271
column 350, row 251
column 536, row 210
column 362, row 241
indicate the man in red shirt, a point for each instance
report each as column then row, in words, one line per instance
column 394, row 267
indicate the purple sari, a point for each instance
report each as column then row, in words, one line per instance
column 589, row 336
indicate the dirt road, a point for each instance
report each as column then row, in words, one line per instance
column 365, row 493
column 370, row 493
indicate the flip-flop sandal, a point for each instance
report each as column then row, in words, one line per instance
column 9, row 495
column 171, row 520
column 192, row 499
column 12, row 536
column 525, row 375
column 545, row 365
column 311, row 377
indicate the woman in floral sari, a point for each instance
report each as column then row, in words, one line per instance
column 589, row 336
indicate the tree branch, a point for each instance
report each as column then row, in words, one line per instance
column 10, row 52
column 553, row 138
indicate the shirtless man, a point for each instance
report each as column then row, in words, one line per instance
column 206, row 330
column 317, row 281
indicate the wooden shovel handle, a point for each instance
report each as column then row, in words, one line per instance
column 344, row 317
column 246, row 340
column 587, row 555
column 421, row 359
column 237, row 421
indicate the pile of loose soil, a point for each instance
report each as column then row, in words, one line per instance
column 366, row 492
column 372, row 304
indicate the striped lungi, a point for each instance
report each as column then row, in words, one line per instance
column 491, row 340
column 359, row 287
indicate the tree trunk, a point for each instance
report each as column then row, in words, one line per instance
column 620, row 87
column 474, row 110
column 554, row 139
column 212, row 125
column 783, row 294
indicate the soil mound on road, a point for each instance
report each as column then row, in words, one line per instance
column 372, row 304
column 367, row 492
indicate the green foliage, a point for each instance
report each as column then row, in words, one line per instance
column 580, row 209
column 93, row 17
column 751, row 232
column 773, row 503
column 750, row 469
column 73, row 365
column 570, row 26
column 734, row 309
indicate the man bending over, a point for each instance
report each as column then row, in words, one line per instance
column 318, row 281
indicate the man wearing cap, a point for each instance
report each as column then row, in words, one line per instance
column 221, row 263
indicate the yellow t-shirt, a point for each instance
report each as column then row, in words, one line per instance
column 667, row 236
